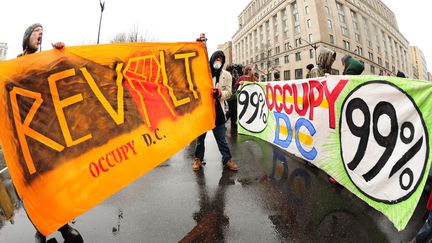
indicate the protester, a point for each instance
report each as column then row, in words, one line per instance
column 248, row 75
column 325, row 61
column 221, row 92
column 256, row 77
column 309, row 68
column 32, row 41
column 202, row 38
column 232, row 101
column 400, row 74
column 351, row 66
column 276, row 76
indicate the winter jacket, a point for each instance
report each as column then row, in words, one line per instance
column 221, row 79
column 352, row 66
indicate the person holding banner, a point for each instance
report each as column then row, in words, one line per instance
column 248, row 75
column 232, row 102
column 32, row 41
column 309, row 68
column 351, row 66
column 221, row 92
column 276, row 76
column 324, row 65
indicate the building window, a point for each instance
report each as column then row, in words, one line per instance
column 372, row 69
column 276, row 62
column 371, row 57
column 344, row 30
column 347, row 45
column 311, row 52
column 329, row 24
column 359, row 50
column 298, row 42
column 285, row 23
column 299, row 73
column 297, row 29
column 339, row 6
column 307, row 9
column 327, row 11
column 379, row 61
column 332, row 39
column 298, row 56
column 277, row 50
column 357, row 37
column 287, row 75
column 276, row 28
column 296, row 17
column 309, row 23
column 286, row 59
column 287, row 46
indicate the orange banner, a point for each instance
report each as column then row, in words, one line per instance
column 81, row 123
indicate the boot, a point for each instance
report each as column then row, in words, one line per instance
column 40, row 238
column 70, row 235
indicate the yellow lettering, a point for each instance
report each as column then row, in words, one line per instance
column 119, row 116
column 60, row 104
column 186, row 56
column 23, row 129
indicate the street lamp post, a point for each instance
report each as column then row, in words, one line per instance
column 102, row 5
column 314, row 46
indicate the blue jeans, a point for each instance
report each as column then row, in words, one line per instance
column 219, row 134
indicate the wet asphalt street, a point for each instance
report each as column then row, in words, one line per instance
column 274, row 197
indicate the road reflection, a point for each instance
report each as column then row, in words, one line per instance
column 211, row 219
column 303, row 207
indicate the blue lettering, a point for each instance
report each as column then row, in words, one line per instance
column 310, row 155
column 283, row 143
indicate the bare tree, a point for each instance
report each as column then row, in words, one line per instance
column 134, row 35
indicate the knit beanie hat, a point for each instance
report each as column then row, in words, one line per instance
column 28, row 33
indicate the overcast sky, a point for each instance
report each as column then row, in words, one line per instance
column 76, row 22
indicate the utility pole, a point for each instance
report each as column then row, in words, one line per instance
column 102, row 5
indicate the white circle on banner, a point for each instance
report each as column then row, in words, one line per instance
column 384, row 141
column 252, row 108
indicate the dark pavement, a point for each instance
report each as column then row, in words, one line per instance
column 274, row 197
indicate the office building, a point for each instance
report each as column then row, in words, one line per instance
column 286, row 35
column 418, row 60
column 3, row 51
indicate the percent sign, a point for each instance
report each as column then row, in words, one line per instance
column 391, row 151
column 253, row 109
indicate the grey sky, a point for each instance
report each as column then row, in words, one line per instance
column 76, row 22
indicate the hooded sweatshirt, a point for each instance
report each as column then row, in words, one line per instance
column 352, row 66
column 325, row 61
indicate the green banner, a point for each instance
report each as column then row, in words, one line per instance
column 370, row 133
